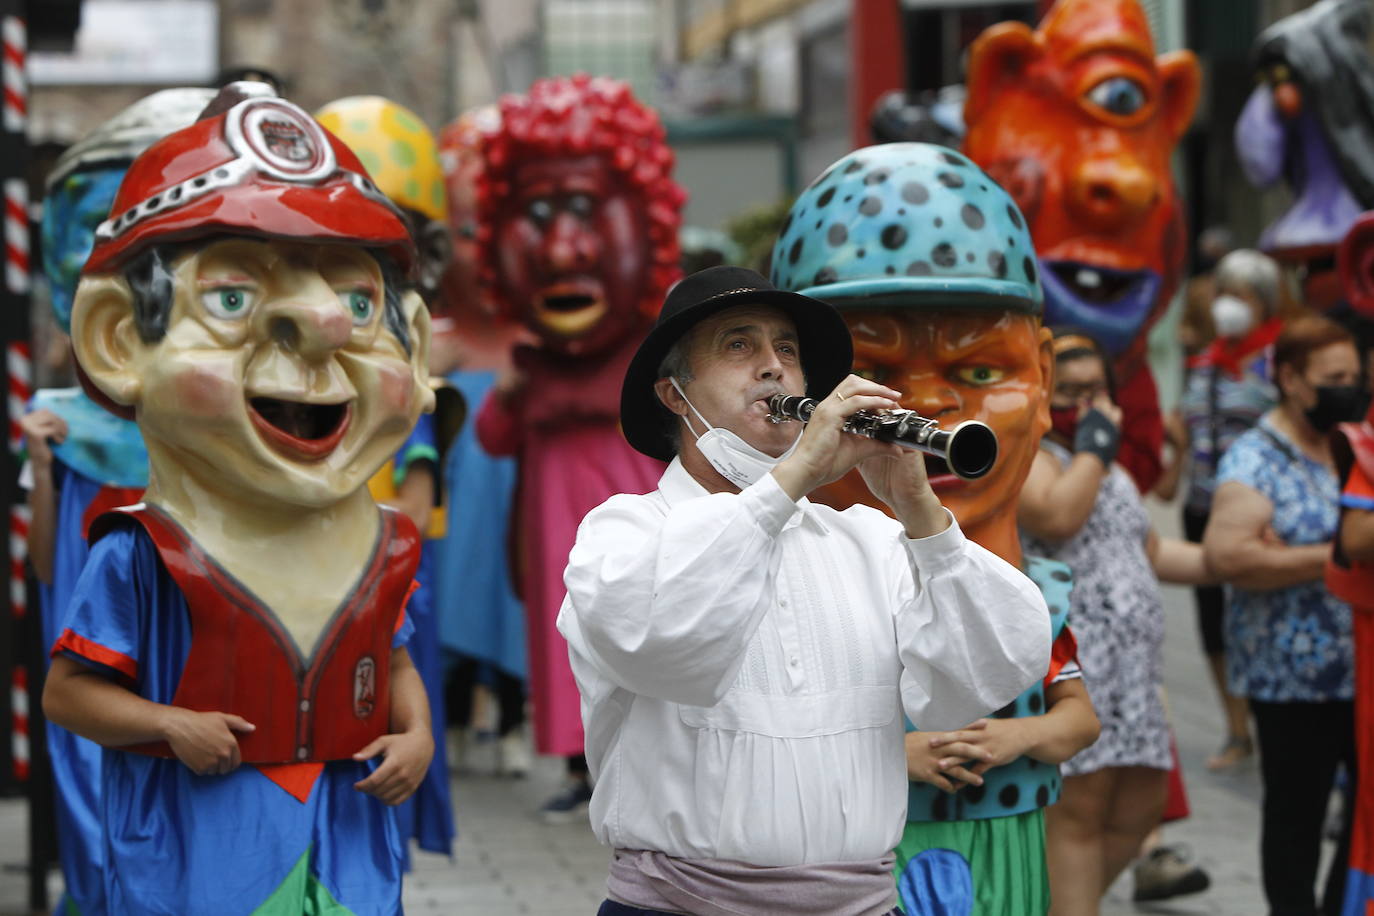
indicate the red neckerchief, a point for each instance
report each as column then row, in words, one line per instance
column 1227, row 353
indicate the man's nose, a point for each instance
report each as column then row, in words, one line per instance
column 770, row 365
column 570, row 246
column 1109, row 191
column 311, row 323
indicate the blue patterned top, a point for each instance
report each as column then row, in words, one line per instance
column 1218, row 409
column 1287, row 645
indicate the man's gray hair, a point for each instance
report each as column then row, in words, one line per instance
column 1247, row 270
column 675, row 365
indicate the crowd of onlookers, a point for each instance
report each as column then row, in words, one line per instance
column 1266, row 381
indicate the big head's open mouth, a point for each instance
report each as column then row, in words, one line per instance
column 300, row 430
column 1112, row 305
column 569, row 309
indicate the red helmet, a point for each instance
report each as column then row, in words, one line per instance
column 264, row 168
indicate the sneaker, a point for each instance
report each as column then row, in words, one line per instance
column 568, row 805
column 514, row 752
column 1167, row 871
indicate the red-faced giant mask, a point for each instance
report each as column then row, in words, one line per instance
column 578, row 213
column 1078, row 119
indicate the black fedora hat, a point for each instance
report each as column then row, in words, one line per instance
column 827, row 353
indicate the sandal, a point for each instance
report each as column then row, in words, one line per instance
column 1234, row 751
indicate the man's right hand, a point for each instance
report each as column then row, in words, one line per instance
column 39, row 426
column 205, row 741
column 826, row 452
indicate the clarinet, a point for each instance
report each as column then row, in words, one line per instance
column 969, row 449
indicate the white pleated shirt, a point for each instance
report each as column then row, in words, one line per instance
column 744, row 662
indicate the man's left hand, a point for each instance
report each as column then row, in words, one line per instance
column 405, row 756
column 900, row 481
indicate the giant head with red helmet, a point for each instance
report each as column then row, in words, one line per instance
column 247, row 302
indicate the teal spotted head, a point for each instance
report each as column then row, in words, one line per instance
column 909, row 225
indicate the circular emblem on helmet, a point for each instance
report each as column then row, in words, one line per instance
column 364, row 687
column 281, row 139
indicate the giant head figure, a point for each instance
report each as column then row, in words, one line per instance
column 402, row 158
column 247, row 302
column 1310, row 121
column 931, row 264
column 578, row 213
column 1077, row 119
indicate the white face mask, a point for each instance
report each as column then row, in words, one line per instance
column 736, row 460
column 1232, row 316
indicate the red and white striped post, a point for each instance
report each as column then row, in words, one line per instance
column 14, row 326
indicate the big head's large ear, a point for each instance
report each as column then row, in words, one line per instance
column 1180, row 82
column 105, row 337
column 1045, row 356
column 997, row 57
column 417, row 325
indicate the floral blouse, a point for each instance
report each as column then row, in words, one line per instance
column 1287, row 645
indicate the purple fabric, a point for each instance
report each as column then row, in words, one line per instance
column 655, row 881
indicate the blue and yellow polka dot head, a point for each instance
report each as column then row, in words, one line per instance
column 909, row 225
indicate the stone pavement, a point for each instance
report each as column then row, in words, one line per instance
column 506, row 861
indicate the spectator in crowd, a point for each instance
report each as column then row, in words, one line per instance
column 1195, row 327
column 1227, row 390
column 1080, row 507
column 1288, row 640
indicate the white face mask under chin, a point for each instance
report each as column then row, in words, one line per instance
column 736, row 460
column 1231, row 316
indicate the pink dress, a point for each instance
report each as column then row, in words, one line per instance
column 565, row 433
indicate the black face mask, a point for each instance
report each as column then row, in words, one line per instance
column 1337, row 404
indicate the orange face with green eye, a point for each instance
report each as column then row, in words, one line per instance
column 953, row 366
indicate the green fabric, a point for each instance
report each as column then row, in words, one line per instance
column 416, row 452
column 1006, row 857
column 302, row 894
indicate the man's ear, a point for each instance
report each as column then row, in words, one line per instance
column 669, row 396
column 417, row 327
column 105, row 337
column 997, row 57
column 1046, row 360
column 1180, row 82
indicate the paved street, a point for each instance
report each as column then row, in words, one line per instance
column 506, row 861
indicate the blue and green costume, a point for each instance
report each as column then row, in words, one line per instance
column 981, row 851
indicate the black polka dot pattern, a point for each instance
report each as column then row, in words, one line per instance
column 897, row 216
column 1009, row 796
column 894, row 236
column 913, row 192
column 1042, row 796
column 1028, row 265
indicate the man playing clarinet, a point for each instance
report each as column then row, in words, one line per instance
column 745, row 656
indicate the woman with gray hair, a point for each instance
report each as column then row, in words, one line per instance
column 1227, row 390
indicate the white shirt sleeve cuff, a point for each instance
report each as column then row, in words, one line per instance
column 773, row 507
column 937, row 549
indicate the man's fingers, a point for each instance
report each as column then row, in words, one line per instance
column 964, row 775
column 238, row 723
column 372, row 750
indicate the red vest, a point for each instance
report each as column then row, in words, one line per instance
column 1352, row 444
column 325, row 706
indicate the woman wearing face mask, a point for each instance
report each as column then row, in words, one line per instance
column 1227, row 390
column 1079, row 507
column 1288, row 641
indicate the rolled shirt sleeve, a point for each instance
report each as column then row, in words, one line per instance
column 973, row 632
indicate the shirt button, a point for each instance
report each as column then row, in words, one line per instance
column 782, row 601
column 794, row 661
column 301, row 753
column 305, row 705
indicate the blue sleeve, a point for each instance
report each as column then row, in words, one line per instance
column 403, row 632
column 1246, row 462
column 104, row 626
column 421, row 445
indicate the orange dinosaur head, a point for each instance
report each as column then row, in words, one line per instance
column 1078, row 119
